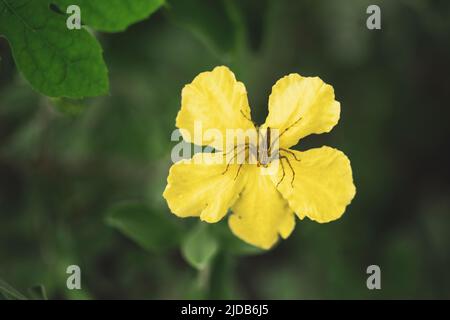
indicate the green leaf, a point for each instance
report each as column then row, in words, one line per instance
column 200, row 247
column 150, row 229
column 38, row 292
column 57, row 62
column 112, row 15
column 9, row 293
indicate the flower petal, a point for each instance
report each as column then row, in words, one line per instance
column 217, row 101
column 300, row 106
column 261, row 214
column 201, row 187
column 322, row 185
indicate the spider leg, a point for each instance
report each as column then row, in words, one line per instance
column 284, row 173
column 292, row 125
column 234, row 149
column 285, row 130
column 291, row 153
column 245, row 116
column 292, row 169
column 234, row 156
column 246, row 144
column 226, row 154
column 240, row 166
column 274, row 155
column 239, row 170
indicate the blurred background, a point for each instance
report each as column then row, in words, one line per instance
column 68, row 169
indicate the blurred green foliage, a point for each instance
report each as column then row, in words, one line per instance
column 81, row 181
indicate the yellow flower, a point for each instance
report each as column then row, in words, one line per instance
column 317, row 183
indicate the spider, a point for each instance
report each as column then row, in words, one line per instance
column 265, row 151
